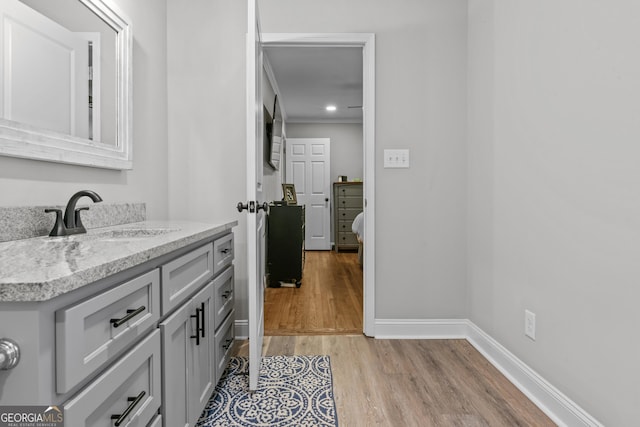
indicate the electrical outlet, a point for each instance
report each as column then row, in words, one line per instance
column 530, row 324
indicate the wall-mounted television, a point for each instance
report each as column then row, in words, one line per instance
column 273, row 136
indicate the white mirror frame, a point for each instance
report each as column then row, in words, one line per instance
column 30, row 142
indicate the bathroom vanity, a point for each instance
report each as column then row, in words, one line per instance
column 129, row 325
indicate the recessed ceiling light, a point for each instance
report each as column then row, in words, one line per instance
column 331, row 108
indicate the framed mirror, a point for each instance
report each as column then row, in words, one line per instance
column 65, row 82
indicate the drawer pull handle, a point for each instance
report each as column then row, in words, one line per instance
column 226, row 294
column 227, row 344
column 134, row 402
column 130, row 315
column 197, row 335
column 225, row 250
column 202, row 324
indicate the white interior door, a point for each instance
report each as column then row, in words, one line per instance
column 308, row 168
column 45, row 72
column 256, row 215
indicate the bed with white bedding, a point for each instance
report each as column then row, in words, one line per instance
column 358, row 229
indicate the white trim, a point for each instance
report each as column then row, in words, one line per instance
column 560, row 408
column 369, row 136
column 555, row 404
column 241, row 329
column 367, row 42
column 274, row 84
column 31, row 142
column 325, row 121
column 421, row 329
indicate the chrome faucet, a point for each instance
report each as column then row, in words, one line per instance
column 71, row 223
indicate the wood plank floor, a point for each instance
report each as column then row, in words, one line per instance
column 329, row 301
column 412, row 382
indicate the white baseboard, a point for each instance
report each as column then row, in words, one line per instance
column 241, row 329
column 556, row 405
column 421, row 328
column 562, row 410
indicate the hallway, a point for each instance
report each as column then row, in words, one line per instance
column 329, row 301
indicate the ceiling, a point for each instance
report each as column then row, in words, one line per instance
column 310, row 78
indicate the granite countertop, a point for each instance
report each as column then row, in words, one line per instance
column 42, row 268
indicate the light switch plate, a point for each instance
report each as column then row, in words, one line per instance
column 396, row 158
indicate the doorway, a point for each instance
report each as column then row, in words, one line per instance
column 365, row 42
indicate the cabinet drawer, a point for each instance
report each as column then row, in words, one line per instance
column 347, row 214
column 183, row 276
column 132, row 382
column 222, row 252
column 224, row 345
column 224, row 295
column 88, row 336
column 345, row 226
column 349, row 202
column 347, row 239
column 350, row 190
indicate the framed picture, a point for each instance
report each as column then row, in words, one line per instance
column 289, row 192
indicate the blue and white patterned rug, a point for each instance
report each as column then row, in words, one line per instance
column 293, row 391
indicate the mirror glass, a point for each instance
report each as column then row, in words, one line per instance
column 67, row 82
column 64, row 82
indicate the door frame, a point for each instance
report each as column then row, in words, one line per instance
column 367, row 42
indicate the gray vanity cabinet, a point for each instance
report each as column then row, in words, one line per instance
column 188, row 359
column 198, row 335
column 146, row 343
column 132, row 382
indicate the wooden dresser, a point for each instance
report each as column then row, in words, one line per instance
column 347, row 203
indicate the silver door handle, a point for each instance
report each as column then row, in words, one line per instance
column 9, row 354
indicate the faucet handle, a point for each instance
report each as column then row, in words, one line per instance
column 78, row 219
column 58, row 228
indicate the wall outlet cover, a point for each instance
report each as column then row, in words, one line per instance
column 396, row 158
column 530, row 324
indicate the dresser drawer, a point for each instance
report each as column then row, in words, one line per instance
column 224, row 345
column 349, row 202
column 183, row 276
column 350, row 190
column 345, row 226
column 222, row 252
column 224, row 295
column 347, row 239
column 132, row 382
column 347, row 214
column 93, row 332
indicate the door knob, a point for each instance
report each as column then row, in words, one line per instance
column 251, row 206
column 263, row 206
column 9, row 354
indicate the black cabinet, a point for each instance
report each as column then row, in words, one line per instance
column 285, row 244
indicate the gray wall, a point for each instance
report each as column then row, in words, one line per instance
column 420, row 105
column 554, row 200
column 206, row 90
column 30, row 182
column 346, row 145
